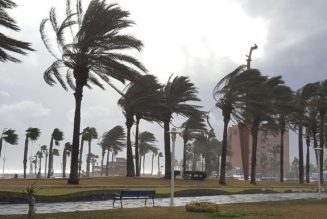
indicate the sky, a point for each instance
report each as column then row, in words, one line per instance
column 204, row 40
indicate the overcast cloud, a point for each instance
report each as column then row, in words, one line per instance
column 201, row 39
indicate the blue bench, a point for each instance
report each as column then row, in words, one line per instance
column 132, row 194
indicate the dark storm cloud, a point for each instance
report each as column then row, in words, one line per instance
column 297, row 39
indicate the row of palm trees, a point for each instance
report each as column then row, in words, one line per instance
column 260, row 102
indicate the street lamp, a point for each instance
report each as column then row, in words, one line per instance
column 318, row 150
column 173, row 133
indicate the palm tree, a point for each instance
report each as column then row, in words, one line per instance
column 56, row 136
column 80, row 160
column 191, row 126
column 302, row 97
column 283, row 105
column 55, row 152
column 176, row 95
column 89, row 135
column 92, row 54
column 321, row 104
column 9, row 44
column 159, row 155
column 9, row 136
column 32, row 134
column 44, row 150
column 112, row 140
column 233, row 94
column 39, row 155
column 146, row 144
column 65, row 153
column 142, row 100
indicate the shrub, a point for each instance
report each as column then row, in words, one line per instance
column 202, row 207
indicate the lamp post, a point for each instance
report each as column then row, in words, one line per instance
column 173, row 133
column 318, row 151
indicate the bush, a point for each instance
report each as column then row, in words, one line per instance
column 202, row 207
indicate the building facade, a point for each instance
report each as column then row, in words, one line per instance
column 268, row 152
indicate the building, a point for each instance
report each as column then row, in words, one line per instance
column 268, row 152
column 116, row 168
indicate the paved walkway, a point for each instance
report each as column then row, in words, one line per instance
column 10, row 209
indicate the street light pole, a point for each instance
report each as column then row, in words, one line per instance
column 318, row 150
column 173, row 133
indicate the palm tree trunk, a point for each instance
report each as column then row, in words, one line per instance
column 254, row 131
column 321, row 141
column 301, row 169
column 80, row 161
column 167, row 149
column 35, row 165
column 45, row 164
column 218, row 166
column 143, row 164
column 137, row 166
column 50, row 158
column 64, row 158
column 25, row 156
column 102, row 158
column 307, row 169
column 281, row 167
column 152, row 164
column 73, row 176
column 244, row 144
column 107, row 167
column 88, row 161
column 130, row 161
column 158, row 164
column 0, row 145
column 222, row 177
column 184, row 154
column 40, row 163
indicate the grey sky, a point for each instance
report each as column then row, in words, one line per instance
column 201, row 39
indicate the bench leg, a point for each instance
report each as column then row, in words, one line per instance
column 121, row 203
column 145, row 202
column 153, row 202
column 113, row 203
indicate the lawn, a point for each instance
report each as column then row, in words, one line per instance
column 285, row 209
column 57, row 187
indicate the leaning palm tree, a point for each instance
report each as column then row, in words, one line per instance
column 142, row 100
column 44, row 150
column 146, row 143
column 233, row 94
column 32, row 134
column 9, row 45
column 176, row 96
column 9, row 136
column 56, row 136
column 90, row 134
column 159, row 155
column 65, row 153
column 113, row 140
column 90, row 55
column 320, row 101
column 191, row 127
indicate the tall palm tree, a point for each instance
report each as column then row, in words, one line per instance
column 39, row 155
column 9, row 44
column 90, row 134
column 159, row 155
column 113, row 140
column 32, row 134
column 321, row 104
column 9, row 136
column 65, row 153
column 176, row 95
column 56, row 136
column 234, row 93
column 90, row 55
column 142, row 100
column 283, row 105
column 44, row 150
column 146, row 144
column 301, row 100
column 191, row 126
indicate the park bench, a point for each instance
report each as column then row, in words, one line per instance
column 195, row 175
column 132, row 194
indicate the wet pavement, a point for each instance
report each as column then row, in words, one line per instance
column 9, row 209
